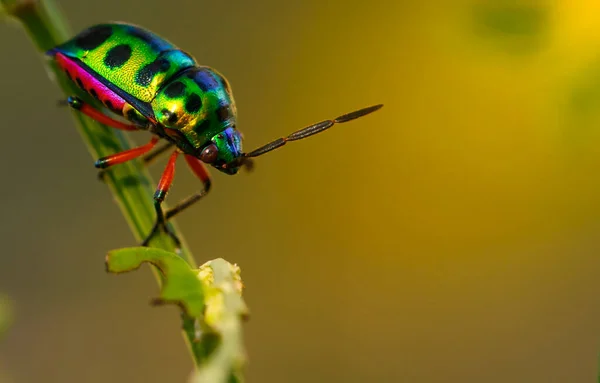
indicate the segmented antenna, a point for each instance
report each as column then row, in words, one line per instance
column 312, row 130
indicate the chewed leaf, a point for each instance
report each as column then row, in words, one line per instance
column 181, row 284
column 211, row 296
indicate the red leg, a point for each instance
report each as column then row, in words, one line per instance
column 159, row 196
column 199, row 169
column 97, row 115
column 125, row 156
column 167, row 178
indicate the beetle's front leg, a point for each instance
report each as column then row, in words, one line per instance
column 161, row 224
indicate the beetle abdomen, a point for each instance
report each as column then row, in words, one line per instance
column 90, row 84
column 80, row 75
column 133, row 59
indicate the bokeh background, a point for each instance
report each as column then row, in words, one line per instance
column 453, row 236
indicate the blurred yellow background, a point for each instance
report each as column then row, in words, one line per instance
column 453, row 236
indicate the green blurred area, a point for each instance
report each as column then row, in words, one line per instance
column 453, row 236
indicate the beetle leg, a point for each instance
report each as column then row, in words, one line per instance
column 199, row 169
column 147, row 159
column 201, row 172
column 151, row 156
column 166, row 180
column 127, row 155
column 97, row 115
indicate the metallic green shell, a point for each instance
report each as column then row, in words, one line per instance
column 159, row 82
column 198, row 103
column 129, row 57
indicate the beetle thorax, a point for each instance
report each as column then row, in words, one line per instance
column 196, row 104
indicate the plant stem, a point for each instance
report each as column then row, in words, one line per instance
column 130, row 183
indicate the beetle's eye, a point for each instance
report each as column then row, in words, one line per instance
column 209, row 154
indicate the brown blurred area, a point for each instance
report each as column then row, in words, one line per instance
column 453, row 236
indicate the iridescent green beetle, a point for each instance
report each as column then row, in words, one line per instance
column 159, row 88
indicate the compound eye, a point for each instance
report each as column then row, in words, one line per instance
column 209, row 154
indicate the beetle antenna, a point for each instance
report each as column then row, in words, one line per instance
column 311, row 130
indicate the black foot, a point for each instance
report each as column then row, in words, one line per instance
column 161, row 225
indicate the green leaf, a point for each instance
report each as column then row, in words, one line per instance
column 211, row 298
column 181, row 284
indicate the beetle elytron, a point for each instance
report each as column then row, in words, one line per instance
column 159, row 88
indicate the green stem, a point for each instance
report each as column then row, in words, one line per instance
column 130, row 183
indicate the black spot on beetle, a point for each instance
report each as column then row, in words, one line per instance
column 223, row 113
column 147, row 37
column 109, row 104
column 204, row 78
column 171, row 117
column 134, row 117
column 145, row 75
column 131, row 115
column 93, row 37
column 94, row 93
column 68, row 75
column 118, row 56
column 117, row 110
column 79, row 83
column 175, row 89
column 193, row 103
column 140, row 34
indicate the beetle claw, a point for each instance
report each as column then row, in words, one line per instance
column 162, row 226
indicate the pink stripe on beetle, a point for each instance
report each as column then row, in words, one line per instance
column 90, row 84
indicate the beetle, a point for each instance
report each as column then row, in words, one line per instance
column 151, row 85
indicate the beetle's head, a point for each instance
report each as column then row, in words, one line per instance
column 224, row 152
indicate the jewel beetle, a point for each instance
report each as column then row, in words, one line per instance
column 151, row 85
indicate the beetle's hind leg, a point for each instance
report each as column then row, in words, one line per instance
column 95, row 114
